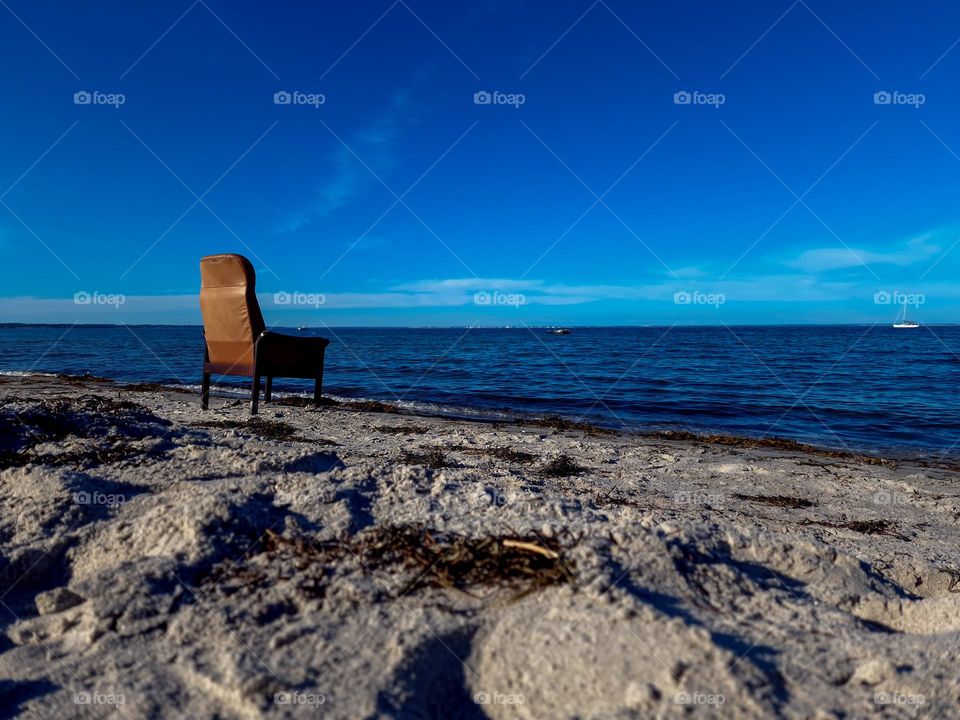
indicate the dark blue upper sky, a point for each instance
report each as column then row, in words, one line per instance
column 787, row 190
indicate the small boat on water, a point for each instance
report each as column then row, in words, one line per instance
column 558, row 331
column 902, row 322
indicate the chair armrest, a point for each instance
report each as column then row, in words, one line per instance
column 294, row 343
column 289, row 355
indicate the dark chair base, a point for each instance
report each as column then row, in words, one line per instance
column 276, row 355
column 255, row 392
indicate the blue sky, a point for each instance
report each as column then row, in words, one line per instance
column 585, row 193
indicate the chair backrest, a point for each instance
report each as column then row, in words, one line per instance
column 231, row 314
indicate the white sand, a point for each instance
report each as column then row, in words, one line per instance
column 139, row 577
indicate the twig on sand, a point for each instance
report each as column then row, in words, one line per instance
column 531, row 547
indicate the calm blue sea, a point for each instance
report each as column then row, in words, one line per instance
column 856, row 387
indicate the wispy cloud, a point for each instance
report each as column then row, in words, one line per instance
column 462, row 293
column 455, row 285
column 815, row 260
column 100, row 307
column 347, row 178
column 334, row 193
column 689, row 272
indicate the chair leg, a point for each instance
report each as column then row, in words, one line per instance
column 268, row 390
column 318, row 383
column 255, row 394
column 205, row 380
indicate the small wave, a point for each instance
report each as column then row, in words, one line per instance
column 413, row 407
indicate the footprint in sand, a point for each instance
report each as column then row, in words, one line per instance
column 571, row 657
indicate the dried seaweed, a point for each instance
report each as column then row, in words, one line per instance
column 561, row 466
column 772, row 443
column 268, row 429
column 609, row 498
column 91, row 457
column 777, row 500
column 107, row 422
column 401, row 429
column 559, row 423
column 432, row 458
column 502, row 453
column 523, row 563
column 154, row 387
column 305, row 402
column 371, row 406
column 867, row 527
column 954, row 576
column 81, row 379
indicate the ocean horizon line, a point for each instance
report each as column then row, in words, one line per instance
column 483, row 327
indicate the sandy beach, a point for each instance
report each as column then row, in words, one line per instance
column 351, row 561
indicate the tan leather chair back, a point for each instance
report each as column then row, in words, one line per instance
column 231, row 314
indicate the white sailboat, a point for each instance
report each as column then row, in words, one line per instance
column 902, row 322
